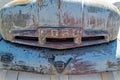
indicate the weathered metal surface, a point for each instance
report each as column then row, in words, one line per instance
column 24, row 20
column 60, row 38
column 34, row 14
column 76, row 61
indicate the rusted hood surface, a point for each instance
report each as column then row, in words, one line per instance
column 87, row 14
column 35, row 18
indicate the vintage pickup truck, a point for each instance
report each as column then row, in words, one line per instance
column 59, row 37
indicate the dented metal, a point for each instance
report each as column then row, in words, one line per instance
column 33, row 14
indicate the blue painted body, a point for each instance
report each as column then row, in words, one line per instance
column 85, row 60
column 88, row 15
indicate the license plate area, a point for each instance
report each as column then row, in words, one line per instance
column 59, row 35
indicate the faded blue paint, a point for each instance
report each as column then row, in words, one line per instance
column 93, row 58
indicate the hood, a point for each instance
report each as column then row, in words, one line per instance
column 84, row 14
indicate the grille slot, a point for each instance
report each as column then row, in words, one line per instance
column 56, row 40
column 26, row 38
column 93, row 38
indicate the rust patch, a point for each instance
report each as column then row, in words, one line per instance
column 92, row 20
column 59, row 38
column 40, row 70
column 82, row 68
column 69, row 20
column 59, row 4
column 40, row 1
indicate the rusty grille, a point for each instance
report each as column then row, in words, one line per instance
column 60, row 38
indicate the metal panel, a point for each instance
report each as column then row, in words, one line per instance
column 85, row 77
column 116, row 75
column 3, row 74
column 59, row 77
column 107, row 76
column 11, row 75
column 31, row 76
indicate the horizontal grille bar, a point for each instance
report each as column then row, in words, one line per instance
column 91, row 37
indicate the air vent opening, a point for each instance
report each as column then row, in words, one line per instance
column 56, row 40
column 26, row 38
column 93, row 38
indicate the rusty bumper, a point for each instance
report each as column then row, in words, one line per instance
column 76, row 61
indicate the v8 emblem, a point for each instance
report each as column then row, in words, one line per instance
column 59, row 65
